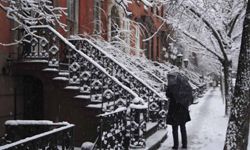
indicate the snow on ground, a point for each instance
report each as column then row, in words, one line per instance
column 207, row 128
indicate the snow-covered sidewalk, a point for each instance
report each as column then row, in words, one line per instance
column 207, row 128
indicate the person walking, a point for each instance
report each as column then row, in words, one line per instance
column 180, row 96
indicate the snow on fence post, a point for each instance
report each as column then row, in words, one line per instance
column 138, row 125
column 112, row 129
column 162, row 124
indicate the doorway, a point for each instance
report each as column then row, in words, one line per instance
column 33, row 98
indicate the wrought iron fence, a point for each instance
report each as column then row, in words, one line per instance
column 57, row 137
column 95, row 76
column 157, row 105
column 93, row 82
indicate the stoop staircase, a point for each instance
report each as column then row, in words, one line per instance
column 131, row 114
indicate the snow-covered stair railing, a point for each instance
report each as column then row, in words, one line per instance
column 125, row 102
column 26, row 134
column 84, row 74
column 157, row 103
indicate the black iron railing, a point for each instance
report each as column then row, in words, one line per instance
column 84, row 74
column 40, row 136
column 157, row 105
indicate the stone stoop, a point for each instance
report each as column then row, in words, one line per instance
column 154, row 137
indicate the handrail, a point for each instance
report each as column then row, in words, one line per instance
column 157, row 104
column 86, row 57
column 107, row 55
column 48, row 44
column 32, row 138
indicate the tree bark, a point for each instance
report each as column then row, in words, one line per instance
column 227, row 78
column 238, row 125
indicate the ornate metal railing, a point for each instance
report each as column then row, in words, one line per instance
column 113, row 130
column 157, row 107
column 84, row 74
column 54, row 136
column 94, row 81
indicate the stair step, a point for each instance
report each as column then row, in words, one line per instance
column 72, row 88
column 96, row 106
column 85, row 97
column 61, row 78
column 154, row 141
column 152, row 127
column 64, row 73
column 64, row 66
column 51, row 69
column 35, row 61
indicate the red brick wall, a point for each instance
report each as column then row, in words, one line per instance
column 5, row 31
column 86, row 15
column 62, row 3
column 105, row 20
column 6, row 82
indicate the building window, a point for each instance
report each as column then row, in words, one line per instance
column 72, row 18
column 97, row 16
column 115, row 23
column 127, row 32
column 137, row 38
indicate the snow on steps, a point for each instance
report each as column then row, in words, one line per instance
column 51, row 69
column 63, row 73
column 151, row 128
column 84, row 97
column 61, row 78
column 154, row 141
column 132, row 73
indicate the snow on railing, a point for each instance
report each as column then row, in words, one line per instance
column 118, row 63
column 33, row 122
column 71, row 46
column 61, row 136
column 132, row 63
column 139, row 65
column 156, row 102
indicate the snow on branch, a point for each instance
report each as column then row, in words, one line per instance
column 203, row 45
column 28, row 13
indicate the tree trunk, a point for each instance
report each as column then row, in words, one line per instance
column 227, row 86
column 238, row 125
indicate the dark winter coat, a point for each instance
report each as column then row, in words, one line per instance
column 177, row 113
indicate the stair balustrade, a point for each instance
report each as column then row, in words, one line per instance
column 103, row 81
column 41, row 136
column 105, row 92
column 157, row 108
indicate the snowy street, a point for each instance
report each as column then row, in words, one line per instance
column 207, row 128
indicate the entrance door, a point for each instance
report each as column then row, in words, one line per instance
column 33, row 98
